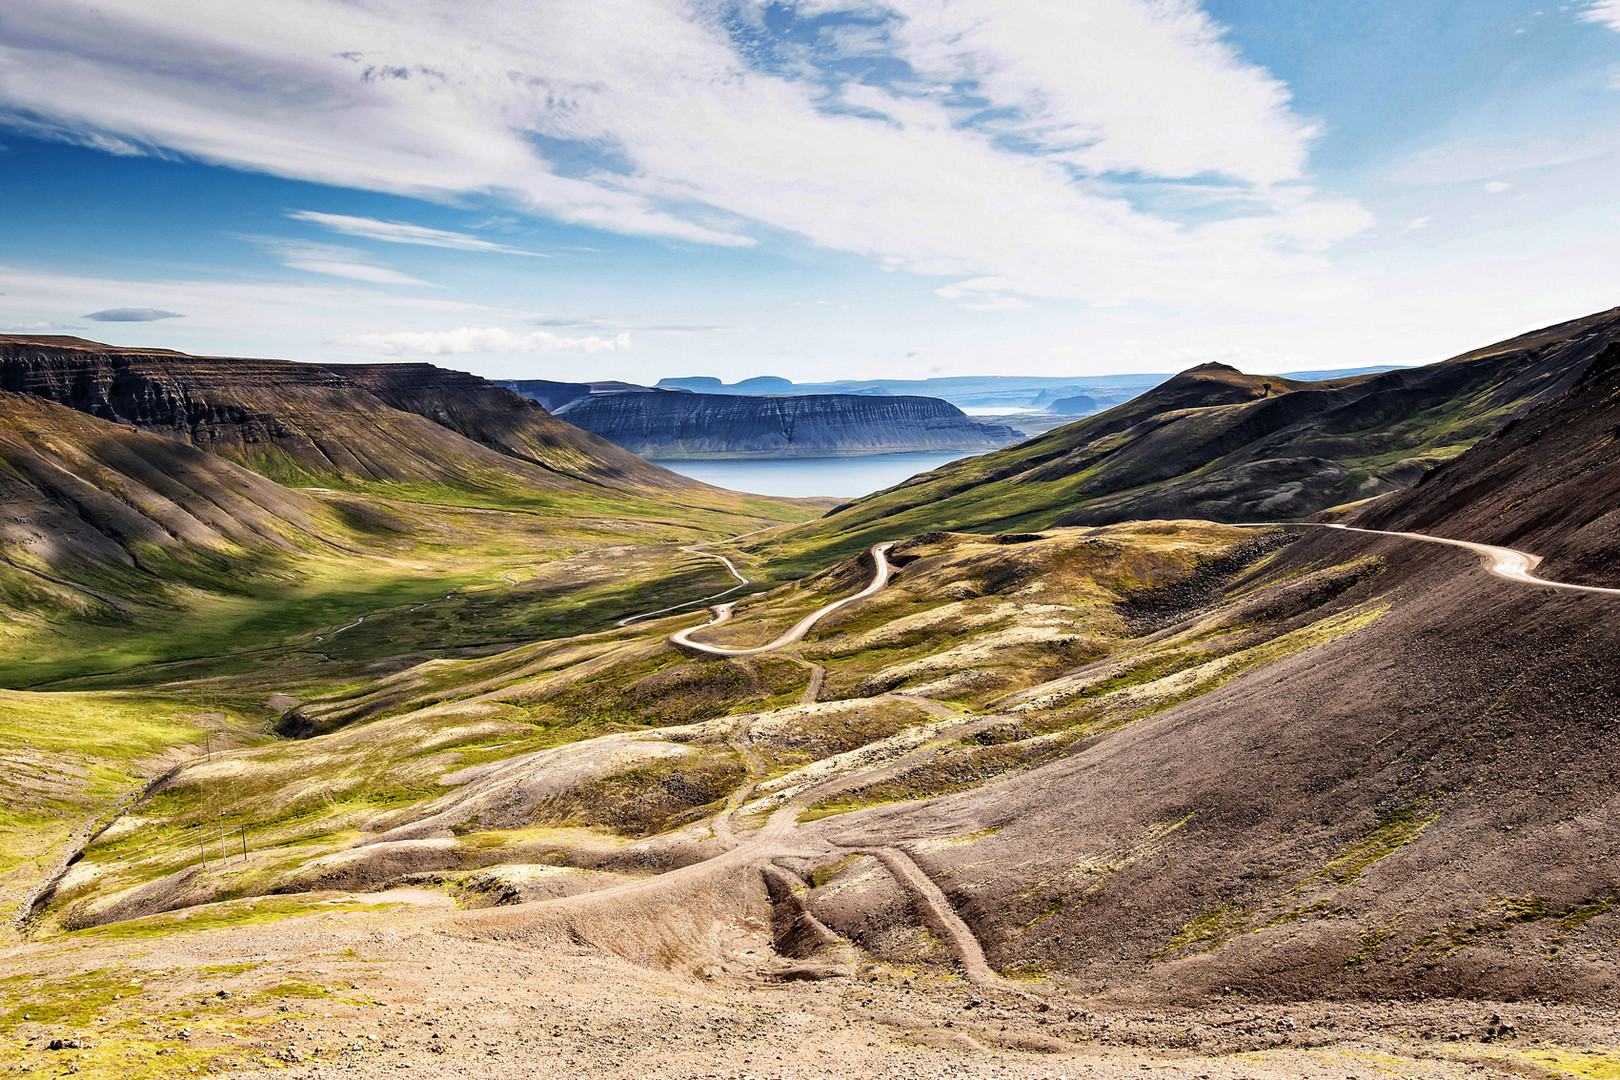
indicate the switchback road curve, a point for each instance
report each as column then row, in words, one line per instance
column 880, row 578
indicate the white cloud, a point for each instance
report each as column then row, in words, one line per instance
column 1130, row 86
column 225, row 317
column 398, row 232
column 466, row 339
column 1487, row 158
column 331, row 260
column 376, row 275
column 30, row 327
column 673, row 133
column 983, row 294
column 1496, row 187
column 1606, row 12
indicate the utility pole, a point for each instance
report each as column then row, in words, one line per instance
column 244, row 843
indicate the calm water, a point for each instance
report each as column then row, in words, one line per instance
column 838, row 477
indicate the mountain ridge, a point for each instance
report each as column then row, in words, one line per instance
column 1215, row 443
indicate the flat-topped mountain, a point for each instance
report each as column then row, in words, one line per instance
column 1216, row 443
column 679, row 424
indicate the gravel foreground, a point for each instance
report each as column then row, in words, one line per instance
column 372, row 994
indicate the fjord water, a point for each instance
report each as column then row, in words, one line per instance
column 803, row 478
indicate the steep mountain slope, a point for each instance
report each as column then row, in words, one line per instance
column 82, row 493
column 1218, row 444
column 680, row 425
column 110, row 532
column 1548, row 482
column 310, row 423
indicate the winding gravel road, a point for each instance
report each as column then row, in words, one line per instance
column 880, row 578
column 730, row 566
column 1504, row 562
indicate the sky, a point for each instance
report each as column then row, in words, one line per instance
column 817, row 189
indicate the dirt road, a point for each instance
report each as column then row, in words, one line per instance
column 1504, row 562
column 880, row 578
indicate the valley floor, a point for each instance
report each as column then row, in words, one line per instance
column 397, row 990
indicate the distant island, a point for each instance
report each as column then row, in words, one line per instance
column 979, row 392
column 1069, row 395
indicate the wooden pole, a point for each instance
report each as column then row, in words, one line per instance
column 244, row 843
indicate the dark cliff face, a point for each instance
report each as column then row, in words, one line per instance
column 310, row 422
column 810, row 425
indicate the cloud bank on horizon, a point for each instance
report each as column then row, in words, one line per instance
column 1013, row 159
column 466, row 339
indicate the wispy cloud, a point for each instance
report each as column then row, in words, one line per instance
column 467, row 339
column 375, row 275
column 586, row 323
column 1000, row 153
column 983, row 294
column 331, row 260
column 1606, row 12
column 30, row 327
column 398, row 232
column 133, row 314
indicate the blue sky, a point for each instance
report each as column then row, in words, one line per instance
column 818, row 189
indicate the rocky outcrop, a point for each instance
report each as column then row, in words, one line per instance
column 688, row 425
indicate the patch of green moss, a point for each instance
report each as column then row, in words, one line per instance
column 1373, row 939
column 1394, row 830
column 221, row 916
column 1209, row 930
column 827, row 871
column 70, row 1002
column 1581, row 914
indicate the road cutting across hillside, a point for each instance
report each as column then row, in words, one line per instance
column 1504, row 562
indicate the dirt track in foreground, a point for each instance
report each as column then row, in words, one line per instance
column 406, row 999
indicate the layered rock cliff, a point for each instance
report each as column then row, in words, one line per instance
column 674, row 426
column 314, row 423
